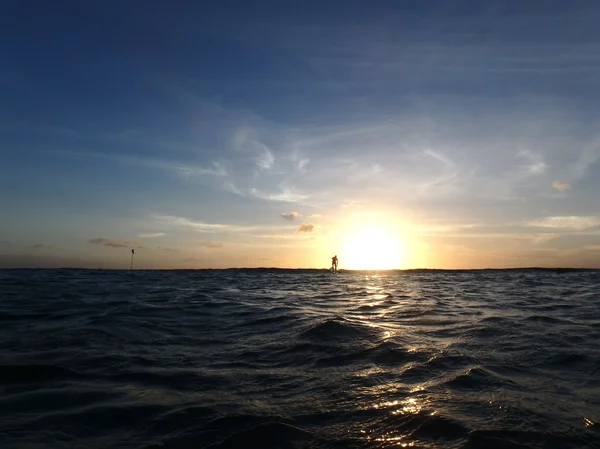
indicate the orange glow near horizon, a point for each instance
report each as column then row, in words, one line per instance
column 371, row 248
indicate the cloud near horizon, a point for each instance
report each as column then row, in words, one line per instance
column 567, row 222
column 306, row 227
column 112, row 243
column 167, row 249
column 151, row 235
column 211, row 244
column 561, row 186
column 291, row 216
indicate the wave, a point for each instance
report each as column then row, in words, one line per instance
column 334, row 329
column 423, row 426
column 477, row 379
column 547, row 319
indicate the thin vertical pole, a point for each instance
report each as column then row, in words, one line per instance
column 132, row 253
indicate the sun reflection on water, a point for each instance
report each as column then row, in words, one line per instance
column 394, row 440
column 407, row 406
column 413, row 405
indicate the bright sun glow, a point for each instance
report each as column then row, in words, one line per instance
column 371, row 249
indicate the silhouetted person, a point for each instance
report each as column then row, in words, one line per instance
column 334, row 263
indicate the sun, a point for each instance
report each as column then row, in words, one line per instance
column 371, row 248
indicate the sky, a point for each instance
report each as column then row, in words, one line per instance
column 407, row 134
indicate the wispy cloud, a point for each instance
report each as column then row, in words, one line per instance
column 266, row 159
column 241, row 136
column 534, row 162
column 403, row 157
column 350, row 204
column 290, row 216
column 112, row 243
column 544, row 238
column 191, row 170
column 578, row 223
column 196, row 225
column 277, row 236
column 449, row 228
column 201, row 226
column 561, row 186
column 306, row 227
column 587, row 157
column 439, row 156
column 302, row 165
column 218, row 228
column 167, row 249
column 229, row 186
column 285, row 195
column 246, row 139
column 185, row 169
column 151, row 235
column 39, row 246
column 211, row 244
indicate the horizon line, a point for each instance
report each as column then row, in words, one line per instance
column 312, row 269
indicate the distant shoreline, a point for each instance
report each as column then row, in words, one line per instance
column 556, row 269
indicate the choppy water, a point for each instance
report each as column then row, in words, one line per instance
column 299, row 359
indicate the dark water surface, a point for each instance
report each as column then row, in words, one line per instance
column 299, row 359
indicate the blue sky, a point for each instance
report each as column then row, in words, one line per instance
column 270, row 133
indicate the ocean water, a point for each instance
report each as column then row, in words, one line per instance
column 299, row 359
